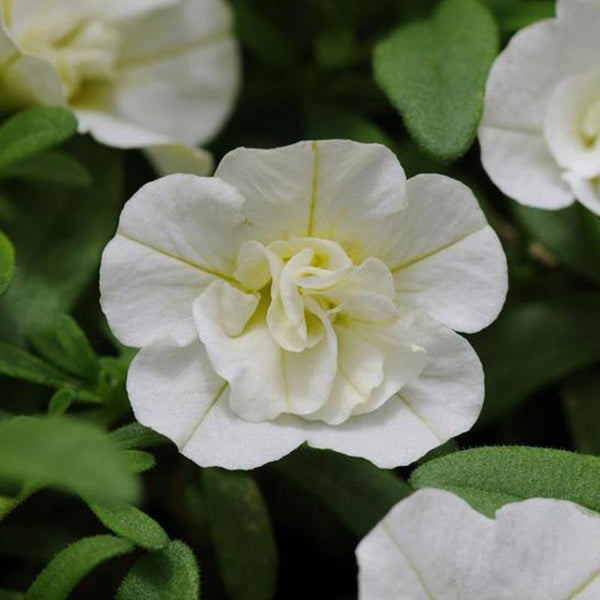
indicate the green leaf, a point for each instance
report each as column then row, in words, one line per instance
column 59, row 250
column 67, row 568
column 488, row 478
column 33, row 131
column 19, row 364
column 7, row 263
column 61, row 401
column 534, row 344
column 138, row 461
column 516, row 14
column 242, row 534
column 581, row 396
column 131, row 523
column 49, row 167
column 136, row 435
column 65, row 453
column 573, row 234
column 358, row 492
column 434, row 73
column 10, row 595
column 66, row 345
column 168, row 574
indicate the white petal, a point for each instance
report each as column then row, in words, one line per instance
column 26, row 79
column 176, row 158
column 183, row 57
column 265, row 380
column 579, row 21
column 442, row 402
column 175, row 391
column 428, row 546
column 119, row 10
column 447, row 261
column 334, row 189
column 586, row 191
column 521, row 165
column 175, row 236
column 433, row 545
column 565, row 119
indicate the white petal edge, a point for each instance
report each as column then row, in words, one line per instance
column 177, row 158
column 447, row 261
column 332, row 189
column 434, row 545
column 175, row 236
column 444, row 401
column 175, row 391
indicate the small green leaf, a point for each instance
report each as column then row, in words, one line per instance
column 131, row 523
column 19, row 364
column 49, row 167
column 434, row 73
column 488, row 478
column 581, row 396
column 7, row 263
column 34, row 130
column 573, row 234
column 167, row 574
column 138, row 461
column 355, row 490
column 242, row 534
column 66, row 345
column 61, row 401
column 65, row 453
column 67, row 568
column 542, row 342
column 135, row 435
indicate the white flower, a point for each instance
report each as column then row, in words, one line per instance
column 434, row 545
column 539, row 136
column 137, row 73
column 304, row 294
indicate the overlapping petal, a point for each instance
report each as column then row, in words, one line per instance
column 434, row 545
column 175, row 236
column 447, row 260
column 332, row 189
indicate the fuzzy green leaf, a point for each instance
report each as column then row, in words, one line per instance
column 135, row 435
column 355, row 490
column 131, row 523
column 7, row 263
column 488, row 478
column 49, row 167
column 67, row 568
column 19, row 364
column 542, row 342
column 434, row 73
column 168, row 574
column 242, row 534
column 34, row 130
column 138, row 461
column 65, row 453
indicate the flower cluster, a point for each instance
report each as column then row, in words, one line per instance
column 304, row 294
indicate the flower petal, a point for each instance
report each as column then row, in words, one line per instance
column 175, row 236
column 184, row 57
column 434, row 545
column 444, row 401
column 447, row 261
column 120, row 10
column 265, row 379
column 24, row 78
column 333, row 189
column 586, row 191
column 176, row 158
column 175, row 391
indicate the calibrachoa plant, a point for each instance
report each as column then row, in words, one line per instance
column 357, row 359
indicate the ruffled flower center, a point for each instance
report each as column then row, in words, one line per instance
column 318, row 335
column 83, row 49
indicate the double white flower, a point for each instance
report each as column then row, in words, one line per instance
column 434, row 545
column 137, row 73
column 304, row 294
column 540, row 133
